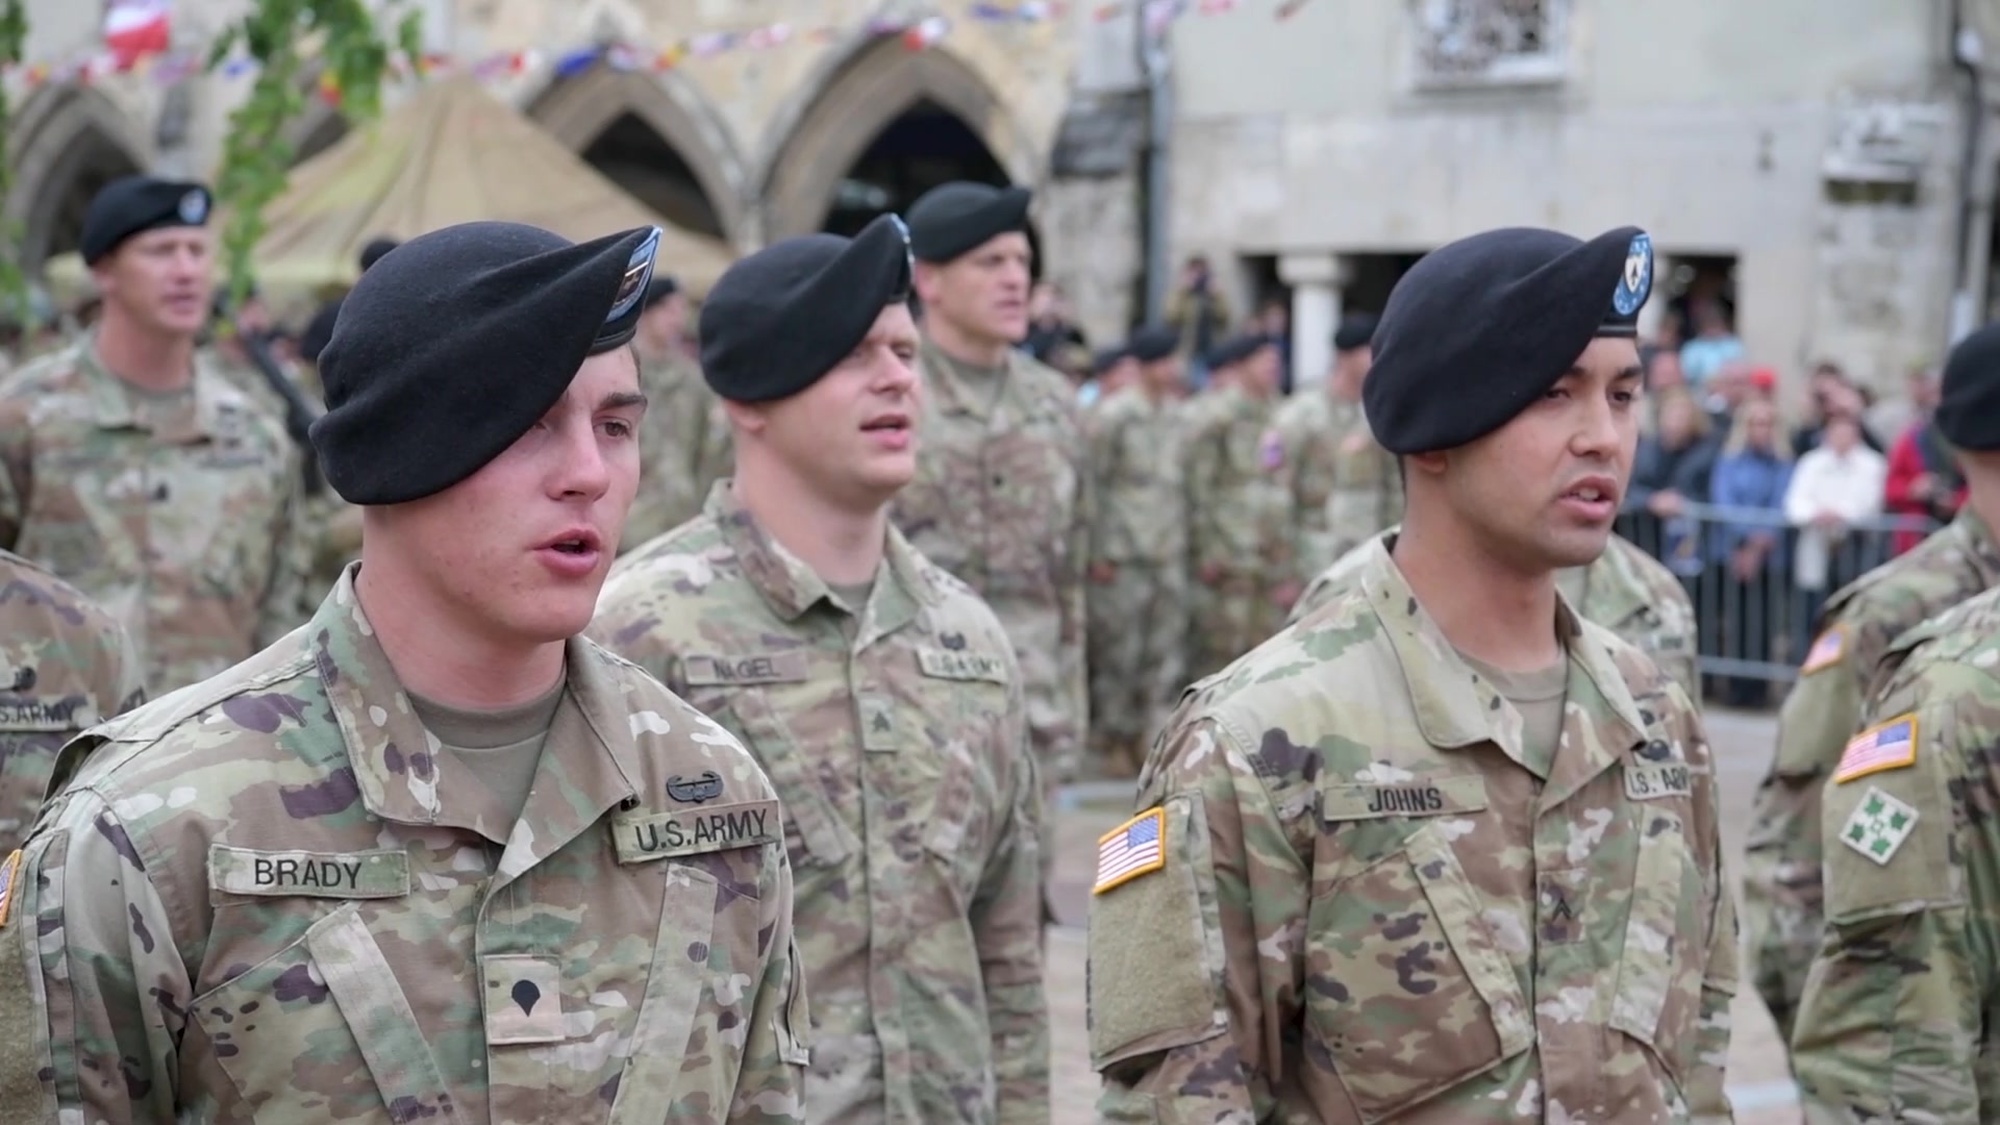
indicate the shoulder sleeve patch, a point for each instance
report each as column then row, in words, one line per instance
column 1827, row 650
column 1891, row 745
column 1271, row 452
column 1878, row 825
column 1134, row 848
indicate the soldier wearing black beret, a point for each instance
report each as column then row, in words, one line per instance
column 1112, row 369
column 794, row 613
column 1445, row 750
column 206, row 563
column 439, row 734
column 1000, row 495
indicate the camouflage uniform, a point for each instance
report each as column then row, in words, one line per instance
column 1002, row 501
column 1138, row 619
column 1302, row 451
column 331, row 527
column 1626, row 590
column 684, row 448
column 1367, row 493
column 184, row 526
column 1782, row 888
column 64, row 665
column 1233, row 527
column 911, row 800
column 231, row 858
column 1366, row 908
column 1896, row 1020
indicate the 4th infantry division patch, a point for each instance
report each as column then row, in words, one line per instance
column 1878, row 825
column 1134, row 848
column 1884, row 746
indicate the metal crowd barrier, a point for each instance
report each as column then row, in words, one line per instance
column 1755, row 622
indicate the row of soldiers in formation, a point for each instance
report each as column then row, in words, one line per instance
column 436, row 854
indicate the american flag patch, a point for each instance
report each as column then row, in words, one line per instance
column 1826, row 651
column 1884, row 746
column 1130, row 850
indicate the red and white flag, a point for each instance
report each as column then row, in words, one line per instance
column 134, row 29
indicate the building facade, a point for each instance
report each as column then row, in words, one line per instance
column 1806, row 161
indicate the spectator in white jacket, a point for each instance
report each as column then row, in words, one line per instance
column 1833, row 487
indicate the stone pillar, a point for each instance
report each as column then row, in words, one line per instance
column 1316, row 281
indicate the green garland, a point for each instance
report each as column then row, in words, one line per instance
column 257, row 159
column 14, row 296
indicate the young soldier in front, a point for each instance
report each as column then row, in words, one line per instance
column 1444, row 851
column 431, row 857
column 879, row 692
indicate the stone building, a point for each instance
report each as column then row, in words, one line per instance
column 1806, row 160
column 813, row 114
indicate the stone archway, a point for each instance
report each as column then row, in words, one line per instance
column 856, row 97
column 68, row 142
column 659, row 137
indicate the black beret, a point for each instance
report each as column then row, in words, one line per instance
column 663, row 286
column 958, row 217
column 453, row 346
column 1481, row 327
column 374, row 252
column 777, row 321
column 1107, row 358
column 1154, row 343
column 136, row 204
column 1354, row 332
column 1236, row 349
column 1968, row 409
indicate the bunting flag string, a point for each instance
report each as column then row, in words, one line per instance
column 167, row 66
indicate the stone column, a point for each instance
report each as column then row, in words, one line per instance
column 1316, row 282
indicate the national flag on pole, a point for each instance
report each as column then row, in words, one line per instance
column 134, row 29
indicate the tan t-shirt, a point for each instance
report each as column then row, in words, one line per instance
column 1539, row 696
column 501, row 748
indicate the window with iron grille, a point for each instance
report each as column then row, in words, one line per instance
column 1489, row 42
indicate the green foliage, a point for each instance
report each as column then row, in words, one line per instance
column 13, row 283
column 353, row 56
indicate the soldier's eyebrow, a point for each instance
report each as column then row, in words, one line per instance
column 619, row 399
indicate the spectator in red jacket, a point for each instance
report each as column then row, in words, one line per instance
column 1923, row 481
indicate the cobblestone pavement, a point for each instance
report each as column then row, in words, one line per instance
column 1759, row 1083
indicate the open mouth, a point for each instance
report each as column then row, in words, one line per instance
column 887, row 423
column 575, row 543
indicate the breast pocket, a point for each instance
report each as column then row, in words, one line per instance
column 320, row 1032
column 814, row 832
column 1658, row 998
column 1406, row 985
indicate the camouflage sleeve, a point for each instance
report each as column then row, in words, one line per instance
column 1892, row 1024
column 770, row 1087
column 1195, row 974
column 105, row 992
column 286, row 603
column 1708, row 1099
column 1204, row 469
column 1781, row 877
column 1072, row 663
column 1007, row 929
column 1105, row 441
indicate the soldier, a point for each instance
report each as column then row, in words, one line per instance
column 1233, row 515
column 684, row 448
column 434, row 856
column 135, row 471
column 65, row 664
column 1303, row 449
column 1001, row 498
column 1367, row 492
column 1894, row 1021
column 879, row 692
column 1626, row 590
column 1445, row 852
column 1138, row 552
column 1782, row 883
column 1111, row 370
